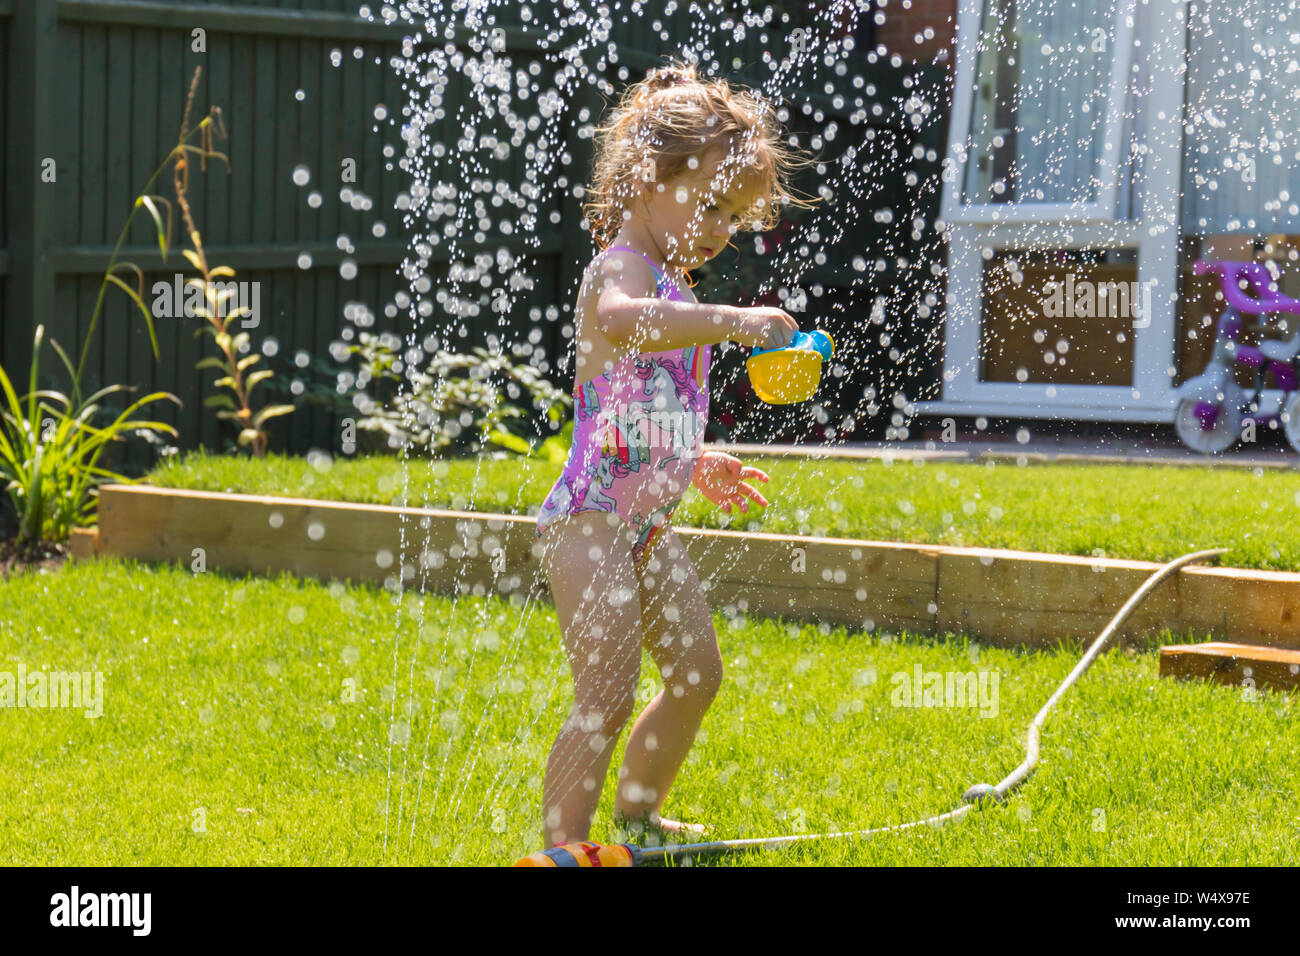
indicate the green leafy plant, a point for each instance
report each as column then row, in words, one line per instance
column 456, row 403
column 451, row 404
column 50, row 449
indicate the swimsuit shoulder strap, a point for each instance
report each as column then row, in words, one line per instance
column 657, row 271
column 661, row 277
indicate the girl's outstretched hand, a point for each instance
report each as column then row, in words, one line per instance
column 720, row 478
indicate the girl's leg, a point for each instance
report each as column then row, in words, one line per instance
column 588, row 561
column 679, row 636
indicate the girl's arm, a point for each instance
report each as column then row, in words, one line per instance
column 649, row 324
column 630, row 315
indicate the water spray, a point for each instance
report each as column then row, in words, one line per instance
column 978, row 796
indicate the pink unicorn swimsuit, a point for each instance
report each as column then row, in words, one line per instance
column 638, row 431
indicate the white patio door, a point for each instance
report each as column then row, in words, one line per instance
column 1065, row 146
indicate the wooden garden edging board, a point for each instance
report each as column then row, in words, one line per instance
column 999, row 596
column 1239, row 665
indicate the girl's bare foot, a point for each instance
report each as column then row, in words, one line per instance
column 676, row 826
column 656, row 828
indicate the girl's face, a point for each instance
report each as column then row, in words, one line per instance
column 696, row 213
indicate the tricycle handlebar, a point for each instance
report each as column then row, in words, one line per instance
column 1266, row 297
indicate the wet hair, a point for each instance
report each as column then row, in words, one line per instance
column 673, row 114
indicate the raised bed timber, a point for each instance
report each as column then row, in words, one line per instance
column 998, row 596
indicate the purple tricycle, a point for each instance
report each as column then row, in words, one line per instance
column 1212, row 407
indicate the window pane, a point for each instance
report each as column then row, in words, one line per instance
column 1242, row 172
column 1063, row 317
column 1040, row 103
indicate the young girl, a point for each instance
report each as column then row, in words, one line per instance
column 683, row 164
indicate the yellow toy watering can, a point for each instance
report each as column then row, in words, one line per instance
column 787, row 375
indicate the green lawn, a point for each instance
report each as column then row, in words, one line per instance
column 1129, row 511
column 225, row 705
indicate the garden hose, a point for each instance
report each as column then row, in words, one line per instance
column 976, row 795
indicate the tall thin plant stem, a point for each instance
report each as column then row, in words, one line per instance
column 180, row 181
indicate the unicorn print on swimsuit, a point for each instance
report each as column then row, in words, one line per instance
column 662, row 403
column 658, row 416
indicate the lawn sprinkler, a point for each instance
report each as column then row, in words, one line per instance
column 790, row 374
column 585, row 854
column 979, row 796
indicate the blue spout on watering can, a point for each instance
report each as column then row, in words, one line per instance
column 817, row 340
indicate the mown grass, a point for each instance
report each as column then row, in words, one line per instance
column 1142, row 512
column 228, row 737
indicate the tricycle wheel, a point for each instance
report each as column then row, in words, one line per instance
column 1291, row 420
column 1223, row 421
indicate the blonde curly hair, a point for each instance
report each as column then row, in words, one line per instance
column 672, row 115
